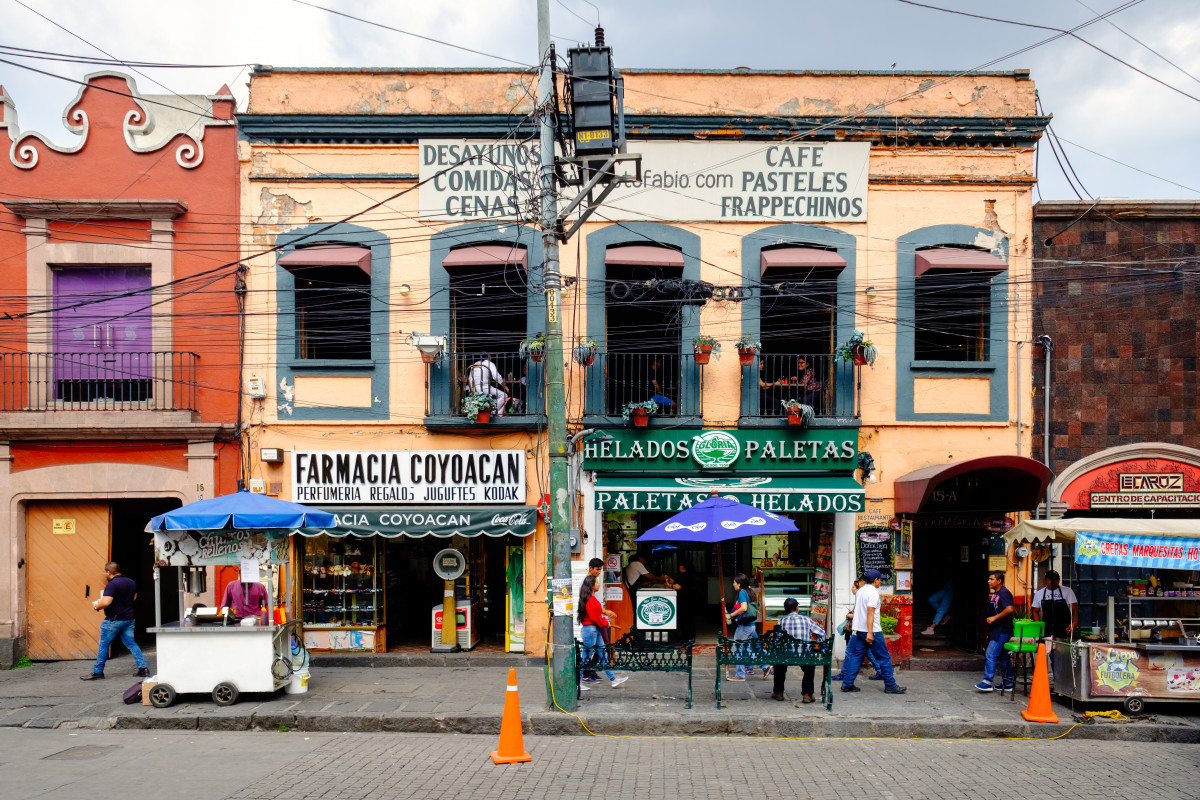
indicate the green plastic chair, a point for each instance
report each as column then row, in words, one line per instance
column 1027, row 634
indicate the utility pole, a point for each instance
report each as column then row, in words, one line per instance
column 560, row 685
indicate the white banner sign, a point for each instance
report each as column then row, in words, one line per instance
column 681, row 181
column 409, row 476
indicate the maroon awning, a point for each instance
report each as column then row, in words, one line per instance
column 801, row 257
column 957, row 258
column 643, row 255
column 328, row 256
column 485, row 255
column 1019, row 483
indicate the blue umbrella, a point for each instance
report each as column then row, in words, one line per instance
column 716, row 520
column 240, row 511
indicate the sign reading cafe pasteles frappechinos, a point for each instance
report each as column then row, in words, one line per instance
column 681, row 181
column 421, row 477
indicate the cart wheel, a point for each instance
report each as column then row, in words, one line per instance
column 162, row 695
column 1134, row 705
column 225, row 694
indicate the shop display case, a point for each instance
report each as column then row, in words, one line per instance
column 343, row 593
column 780, row 583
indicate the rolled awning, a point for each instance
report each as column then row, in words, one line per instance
column 417, row 522
column 957, row 258
column 328, row 256
column 485, row 255
column 801, row 257
column 1065, row 530
column 643, row 255
column 818, row 494
column 1019, row 482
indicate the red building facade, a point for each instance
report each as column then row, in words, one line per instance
column 119, row 346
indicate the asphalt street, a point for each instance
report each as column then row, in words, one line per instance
column 79, row 765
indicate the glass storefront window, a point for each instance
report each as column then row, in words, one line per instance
column 343, row 582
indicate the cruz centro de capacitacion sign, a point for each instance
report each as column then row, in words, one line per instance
column 680, row 181
column 409, row 476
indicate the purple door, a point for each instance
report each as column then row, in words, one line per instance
column 102, row 334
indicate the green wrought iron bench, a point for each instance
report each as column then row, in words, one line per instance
column 633, row 653
column 777, row 646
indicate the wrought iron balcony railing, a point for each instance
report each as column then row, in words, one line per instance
column 615, row 379
column 458, row 374
column 812, row 379
column 98, row 381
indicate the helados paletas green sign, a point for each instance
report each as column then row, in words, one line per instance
column 678, row 451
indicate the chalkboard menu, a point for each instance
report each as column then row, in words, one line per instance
column 875, row 551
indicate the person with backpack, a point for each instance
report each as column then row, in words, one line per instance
column 743, row 616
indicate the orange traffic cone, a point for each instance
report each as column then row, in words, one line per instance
column 512, row 747
column 1039, row 694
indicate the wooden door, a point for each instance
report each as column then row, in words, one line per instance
column 64, row 573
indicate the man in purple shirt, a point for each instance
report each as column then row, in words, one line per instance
column 116, row 601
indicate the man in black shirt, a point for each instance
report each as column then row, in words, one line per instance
column 116, row 601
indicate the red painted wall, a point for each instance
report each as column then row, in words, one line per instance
column 205, row 238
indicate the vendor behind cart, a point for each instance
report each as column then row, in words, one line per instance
column 1058, row 606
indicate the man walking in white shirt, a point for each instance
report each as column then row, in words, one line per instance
column 868, row 635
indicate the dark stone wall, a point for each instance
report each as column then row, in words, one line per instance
column 1117, row 293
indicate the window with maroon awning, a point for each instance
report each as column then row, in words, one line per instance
column 485, row 255
column 643, row 255
column 791, row 257
column 952, row 303
column 328, row 256
column 333, row 301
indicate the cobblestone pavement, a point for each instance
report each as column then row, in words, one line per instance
column 287, row 766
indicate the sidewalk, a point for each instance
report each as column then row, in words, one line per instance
column 468, row 697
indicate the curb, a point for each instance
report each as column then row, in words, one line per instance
column 558, row 724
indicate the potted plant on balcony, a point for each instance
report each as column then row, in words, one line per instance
column 478, row 405
column 639, row 412
column 748, row 346
column 534, row 348
column 585, row 352
column 858, row 350
column 704, row 347
column 798, row 413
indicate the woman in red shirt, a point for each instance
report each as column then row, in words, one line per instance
column 593, row 617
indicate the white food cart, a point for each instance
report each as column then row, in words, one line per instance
column 210, row 650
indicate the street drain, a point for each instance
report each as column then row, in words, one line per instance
column 83, row 752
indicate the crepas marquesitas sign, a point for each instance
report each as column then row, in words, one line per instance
column 680, row 181
column 459, row 477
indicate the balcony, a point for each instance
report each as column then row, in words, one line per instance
column 615, row 379
column 98, row 381
column 448, row 381
column 825, row 383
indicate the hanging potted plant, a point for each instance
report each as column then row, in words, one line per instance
column 704, row 347
column 534, row 348
column 585, row 352
column 639, row 412
column 858, row 350
column 748, row 346
column 478, row 405
column 798, row 413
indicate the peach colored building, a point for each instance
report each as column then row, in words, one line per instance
column 395, row 209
